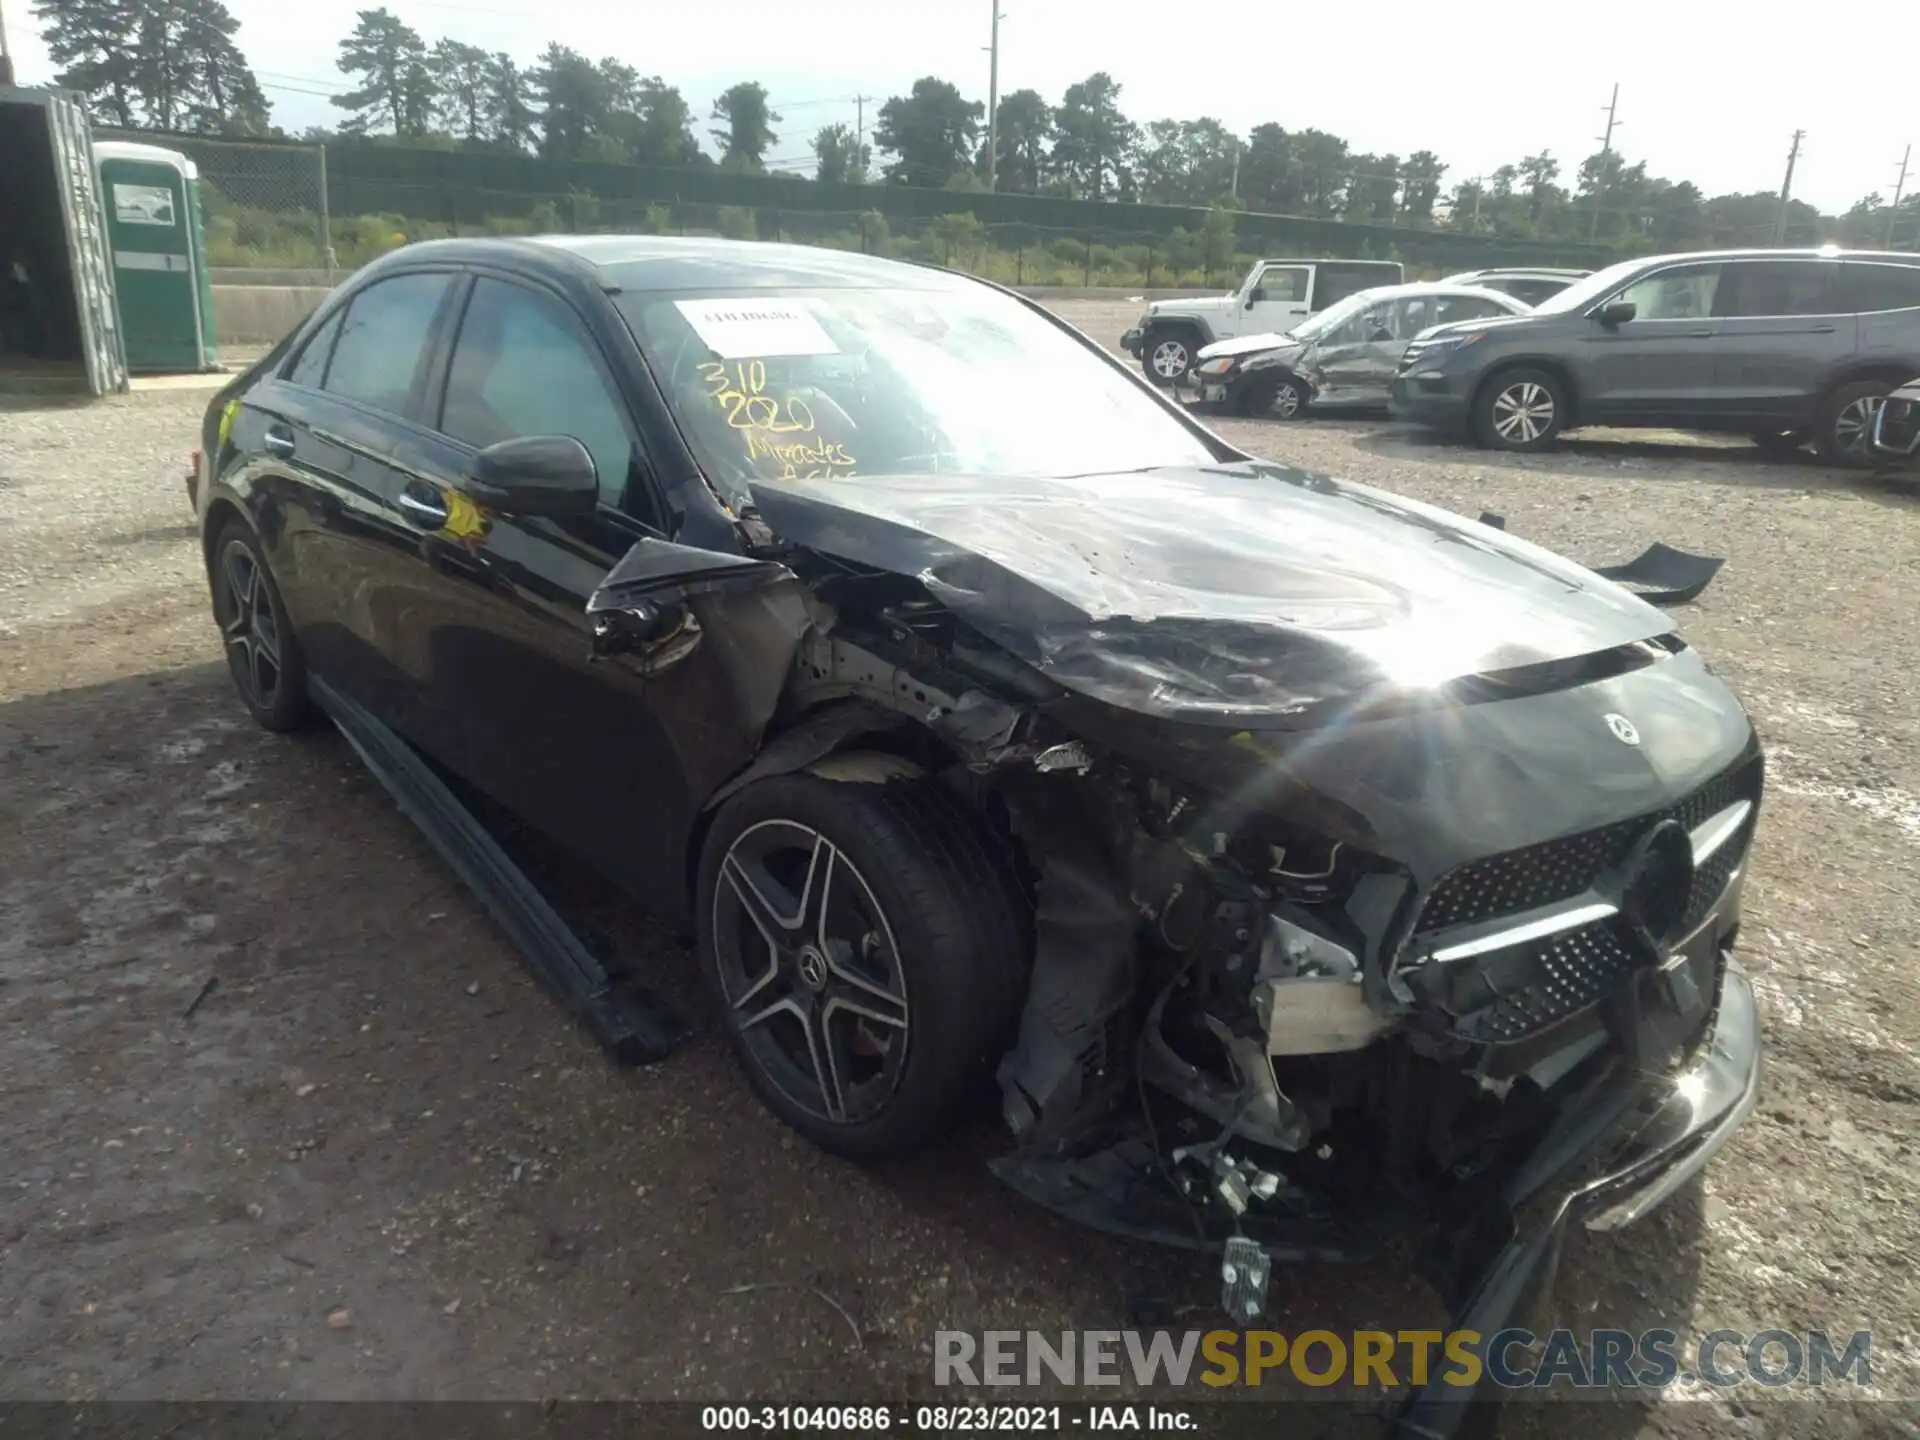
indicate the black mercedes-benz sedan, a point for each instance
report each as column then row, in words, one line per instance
column 1306, row 864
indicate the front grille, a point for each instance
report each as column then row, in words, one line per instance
column 1558, row 870
column 1576, row 969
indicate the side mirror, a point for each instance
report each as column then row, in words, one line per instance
column 1617, row 312
column 639, row 626
column 536, row 475
column 1255, row 298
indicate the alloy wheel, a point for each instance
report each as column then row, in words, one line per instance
column 251, row 629
column 1286, row 401
column 1853, row 426
column 1170, row 359
column 1523, row 412
column 810, row 972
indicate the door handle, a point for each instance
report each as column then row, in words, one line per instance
column 1823, row 329
column 1700, row 334
column 427, row 514
column 278, row 441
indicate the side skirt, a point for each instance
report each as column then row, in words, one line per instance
column 632, row 1026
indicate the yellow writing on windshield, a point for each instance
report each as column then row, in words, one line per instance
column 780, row 428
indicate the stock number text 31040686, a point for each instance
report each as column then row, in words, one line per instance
column 777, row 428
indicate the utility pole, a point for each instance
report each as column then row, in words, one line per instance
column 1899, row 189
column 1235, row 188
column 993, row 96
column 6, row 59
column 860, row 135
column 1786, row 190
column 1606, row 154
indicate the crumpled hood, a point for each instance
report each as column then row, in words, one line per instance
column 1247, row 345
column 1245, row 593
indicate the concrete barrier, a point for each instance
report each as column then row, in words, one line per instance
column 261, row 314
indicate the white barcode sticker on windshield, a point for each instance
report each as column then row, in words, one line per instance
column 755, row 329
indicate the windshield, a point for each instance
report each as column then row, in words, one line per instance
column 1315, row 326
column 824, row 384
column 1596, row 286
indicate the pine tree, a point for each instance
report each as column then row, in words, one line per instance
column 396, row 87
column 94, row 42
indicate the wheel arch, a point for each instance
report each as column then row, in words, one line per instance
column 221, row 510
column 1895, row 372
column 834, row 729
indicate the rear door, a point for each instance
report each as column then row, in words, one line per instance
column 87, row 248
column 1359, row 371
column 1659, row 366
column 328, row 431
column 1784, row 333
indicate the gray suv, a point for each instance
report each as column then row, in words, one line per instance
column 1785, row 346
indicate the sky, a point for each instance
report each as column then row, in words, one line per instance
column 1704, row 95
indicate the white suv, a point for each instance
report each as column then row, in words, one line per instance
column 1275, row 296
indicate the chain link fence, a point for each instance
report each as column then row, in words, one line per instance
column 265, row 205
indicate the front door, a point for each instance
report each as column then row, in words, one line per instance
column 1278, row 300
column 1658, row 366
column 611, row 755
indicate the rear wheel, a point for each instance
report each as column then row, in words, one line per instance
column 1844, row 434
column 262, row 655
column 1166, row 355
column 1780, row 444
column 1520, row 409
column 866, row 948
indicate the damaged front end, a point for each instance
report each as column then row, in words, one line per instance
column 1349, row 920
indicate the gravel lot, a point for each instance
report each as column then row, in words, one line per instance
column 374, row 1161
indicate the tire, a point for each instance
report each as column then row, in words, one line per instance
column 1844, row 432
column 1780, row 444
column 262, row 655
column 1522, row 409
column 1166, row 354
column 884, row 987
column 1288, row 400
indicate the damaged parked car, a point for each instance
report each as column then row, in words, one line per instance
column 1343, row 358
column 1309, row 865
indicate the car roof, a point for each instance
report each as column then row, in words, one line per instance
column 1824, row 252
column 672, row 262
column 1519, row 272
column 1417, row 288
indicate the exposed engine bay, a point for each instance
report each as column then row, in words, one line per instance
column 1306, row 975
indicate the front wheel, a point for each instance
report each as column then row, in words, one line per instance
column 1166, row 356
column 1522, row 409
column 1844, row 435
column 866, row 950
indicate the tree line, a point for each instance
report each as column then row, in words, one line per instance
column 174, row 64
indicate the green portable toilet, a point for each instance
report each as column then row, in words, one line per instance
column 151, row 199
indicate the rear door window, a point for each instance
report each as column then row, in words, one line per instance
column 1872, row 287
column 1334, row 282
column 310, row 369
column 383, row 339
column 1758, row 288
column 1466, row 307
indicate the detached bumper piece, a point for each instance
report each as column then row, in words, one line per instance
column 1131, row 341
column 1604, row 1165
column 1660, row 574
column 633, row 1027
column 1896, row 425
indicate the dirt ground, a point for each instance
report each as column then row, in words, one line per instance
column 374, row 1161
